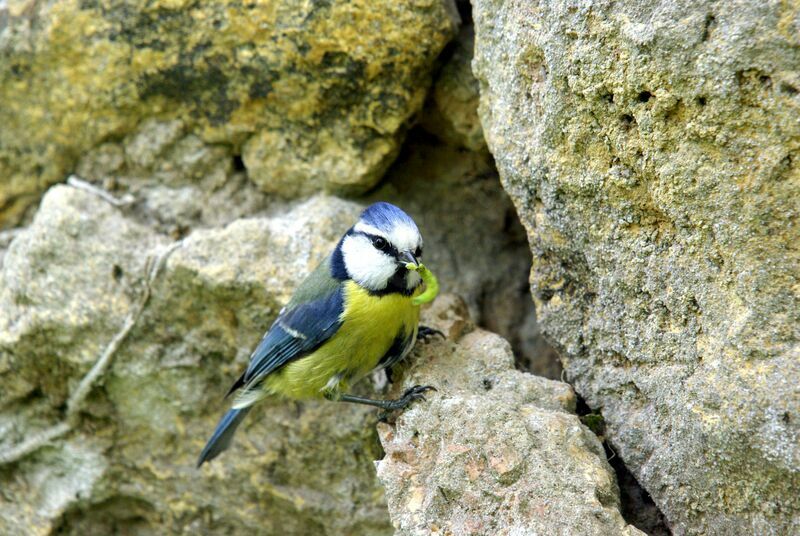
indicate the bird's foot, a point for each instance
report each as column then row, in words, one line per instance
column 415, row 393
column 425, row 332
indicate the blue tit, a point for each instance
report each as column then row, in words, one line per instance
column 355, row 313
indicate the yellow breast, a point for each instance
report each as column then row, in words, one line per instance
column 369, row 326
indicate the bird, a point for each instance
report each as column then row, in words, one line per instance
column 354, row 314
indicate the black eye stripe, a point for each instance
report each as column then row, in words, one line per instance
column 386, row 247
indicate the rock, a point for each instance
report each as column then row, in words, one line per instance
column 651, row 149
column 67, row 284
column 316, row 95
column 473, row 240
column 436, row 183
column 495, row 450
column 451, row 113
column 178, row 181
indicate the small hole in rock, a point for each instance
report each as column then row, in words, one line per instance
column 765, row 80
column 789, row 90
column 238, row 163
column 608, row 97
column 487, row 384
column 116, row 272
column 708, row 25
column 179, row 231
column 701, row 101
column 546, row 294
column 644, row 96
column 627, row 120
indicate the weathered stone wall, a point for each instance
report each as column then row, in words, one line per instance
column 496, row 450
column 651, row 148
column 185, row 125
column 312, row 95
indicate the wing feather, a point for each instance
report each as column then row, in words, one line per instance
column 299, row 330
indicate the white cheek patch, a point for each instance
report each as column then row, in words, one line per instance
column 366, row 265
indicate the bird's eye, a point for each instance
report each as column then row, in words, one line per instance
column 418, row 252
column 379, row 242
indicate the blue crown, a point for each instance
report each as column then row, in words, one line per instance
column 386, row 216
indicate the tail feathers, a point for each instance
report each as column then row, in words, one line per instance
column 221, row 439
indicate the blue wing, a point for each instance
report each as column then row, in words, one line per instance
column 299, row 330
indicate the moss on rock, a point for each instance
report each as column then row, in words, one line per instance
column 317, row 94
column 651, row 149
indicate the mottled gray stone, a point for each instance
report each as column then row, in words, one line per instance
column 66, row 286
column 651, row 149
column 495, row 450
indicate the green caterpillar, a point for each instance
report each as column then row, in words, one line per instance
column 431, row 284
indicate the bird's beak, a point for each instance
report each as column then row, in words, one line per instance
column 407, row 257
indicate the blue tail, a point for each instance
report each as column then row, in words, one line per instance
column 221, row 439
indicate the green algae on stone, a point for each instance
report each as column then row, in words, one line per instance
column 296, row 85
column 651, row 149
column 149, row 417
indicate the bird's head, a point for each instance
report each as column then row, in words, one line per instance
column 375, row 251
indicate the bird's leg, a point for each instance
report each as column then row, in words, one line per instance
column 423, row 332
column 415, row 393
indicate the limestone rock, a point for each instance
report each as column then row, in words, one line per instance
column 651, row 149
column 67, row 283
column 178, row 182
column 316, row 95
column 451, row 112
column 495, row 450
column 69, row 280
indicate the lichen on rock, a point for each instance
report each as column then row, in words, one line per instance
column 651, row 149
column 316, row 95
column 495, row 450
column 67, row 282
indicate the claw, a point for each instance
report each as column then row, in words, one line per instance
column 412, row 394
column 423, row 332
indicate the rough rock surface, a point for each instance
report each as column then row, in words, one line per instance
column 178, row 181
column 496, row 450
column 67, row 283
column 486, row 262
column 65, row 288
column 451, row 112
column 315, row 94
column 652, row 150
